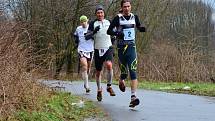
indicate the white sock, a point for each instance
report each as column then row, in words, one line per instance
column 133, row 92
column 85, row 78
column 109, row 76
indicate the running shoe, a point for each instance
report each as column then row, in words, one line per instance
column 122, row 85
column 99, row 95
column 134, row 101
column 87, row 89
column 110, row 90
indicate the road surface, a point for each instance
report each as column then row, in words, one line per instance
column 154, row 105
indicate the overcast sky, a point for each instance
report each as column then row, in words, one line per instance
column 210, row 2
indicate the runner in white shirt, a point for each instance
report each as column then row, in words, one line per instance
column 85, row 50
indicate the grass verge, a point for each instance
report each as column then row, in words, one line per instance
column 63, row 107
column 203, row 89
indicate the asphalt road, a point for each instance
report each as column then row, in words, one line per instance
column 154, row 105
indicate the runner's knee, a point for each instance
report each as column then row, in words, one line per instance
column 84, row 65
column 98, row 73
column 109, row 65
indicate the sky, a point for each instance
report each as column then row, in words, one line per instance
column 209, row 2
column 212, row 4
column 213, row 16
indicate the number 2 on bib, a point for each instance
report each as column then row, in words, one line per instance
column 129, row 34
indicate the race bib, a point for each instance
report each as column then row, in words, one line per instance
column 102, row 52
column 129, row 34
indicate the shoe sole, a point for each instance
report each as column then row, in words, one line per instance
column 134, row 103
column 111, row 94
column 122, row 86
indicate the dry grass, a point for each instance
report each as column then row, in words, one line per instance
column 167, row 63
column 17, row 86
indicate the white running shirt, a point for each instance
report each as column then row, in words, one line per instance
column 84, row 45
column 102, row 39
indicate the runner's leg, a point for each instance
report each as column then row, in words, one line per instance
column 84, row 68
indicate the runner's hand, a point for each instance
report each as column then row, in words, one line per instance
column 120, row 35
column 88, row 35
column 142, row 29
column 96, row 29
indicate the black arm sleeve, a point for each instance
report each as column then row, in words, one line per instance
column 91, row 26
column 89, row 34
column 137, row 21
column 140, row 27
column 113, row 24
column 76, row 39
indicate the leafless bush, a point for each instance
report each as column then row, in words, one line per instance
column 17, row 86
column 165, row 62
